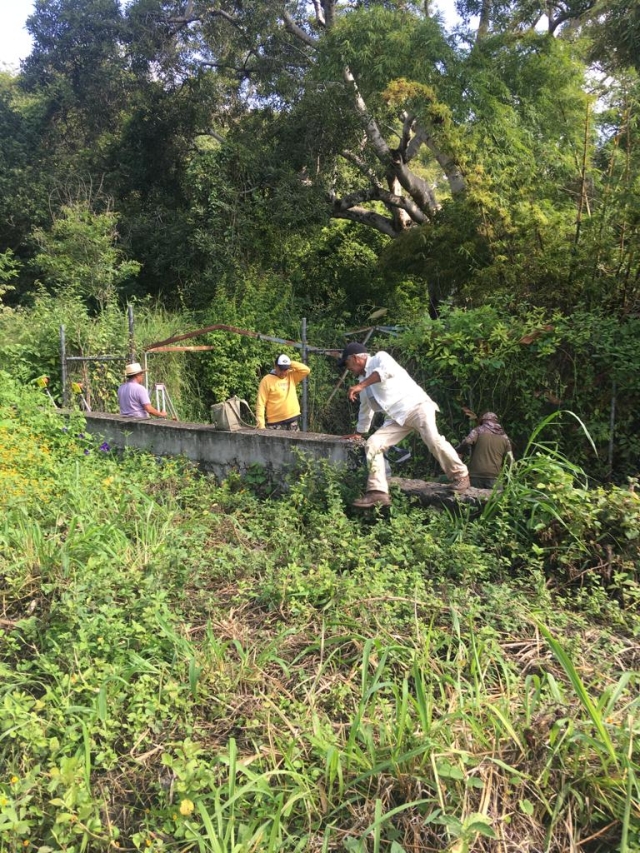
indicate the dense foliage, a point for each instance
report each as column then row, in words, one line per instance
column 181, row 670
column 188, row 665
column 360, row 143
column 521, row 362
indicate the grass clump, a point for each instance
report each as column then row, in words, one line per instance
column 190, row 666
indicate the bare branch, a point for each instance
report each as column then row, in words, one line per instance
column 190, row 18
column 349, row 200
column 298, row 32
column 393, row 200
column 417, row 187
column 401, row 218
column 565, row 16
column 328, row 6
column 320, row 18
column 485, row 19
column 215, row 135
column 415, row 143
column 373, row 131
column 240, row 72
column 448, row 165
column 407, row 125
column 363, row 167
column 367, row 217
column 220, row 13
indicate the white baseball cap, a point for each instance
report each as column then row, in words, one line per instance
column 283, row 362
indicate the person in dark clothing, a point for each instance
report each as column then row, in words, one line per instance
column 489, row 445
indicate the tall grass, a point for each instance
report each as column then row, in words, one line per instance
column 186, row 667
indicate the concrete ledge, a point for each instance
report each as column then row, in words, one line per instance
column 219, row 452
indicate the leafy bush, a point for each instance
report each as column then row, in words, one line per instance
column 524, row 364
column 545, row 506
column 79, row 256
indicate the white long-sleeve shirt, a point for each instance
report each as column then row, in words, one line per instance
column 396, row 394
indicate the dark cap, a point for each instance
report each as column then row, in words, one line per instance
column 351, row 349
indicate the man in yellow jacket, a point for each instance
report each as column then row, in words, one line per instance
column 277, row 406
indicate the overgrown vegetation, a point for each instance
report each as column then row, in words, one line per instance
column 188, row 666
column 522, row 362
column 194, row 666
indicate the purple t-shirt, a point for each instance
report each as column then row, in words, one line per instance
column 133, row 397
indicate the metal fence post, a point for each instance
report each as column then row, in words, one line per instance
column 612, row 428
column 63, row 368
column 305, row 398
column 132, row 342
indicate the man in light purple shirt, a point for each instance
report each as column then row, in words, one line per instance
column 384, row 386
column 133, row 397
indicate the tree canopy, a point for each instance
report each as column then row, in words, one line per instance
column 495, row 159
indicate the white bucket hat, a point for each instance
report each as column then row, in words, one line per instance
column 134, row 369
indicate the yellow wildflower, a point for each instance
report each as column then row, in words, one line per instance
column 186, row 807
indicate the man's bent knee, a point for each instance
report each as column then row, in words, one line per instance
column 374, row 446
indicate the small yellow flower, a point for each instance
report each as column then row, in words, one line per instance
column 186, row 807
column 14, row 779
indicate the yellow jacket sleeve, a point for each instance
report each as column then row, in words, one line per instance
column 300, row 371
column 261, row 403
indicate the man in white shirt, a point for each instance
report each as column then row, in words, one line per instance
column 384, row 386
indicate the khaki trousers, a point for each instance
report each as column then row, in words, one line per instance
column 423, row 420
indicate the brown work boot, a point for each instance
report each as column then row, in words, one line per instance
column 461, row 484
column 370, row 499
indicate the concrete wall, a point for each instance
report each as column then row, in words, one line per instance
column 220, row 452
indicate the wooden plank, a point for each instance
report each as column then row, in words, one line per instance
column 182, row 349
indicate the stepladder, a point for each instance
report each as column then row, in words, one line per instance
column 164, row 402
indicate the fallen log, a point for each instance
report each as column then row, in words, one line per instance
column 429, row 493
